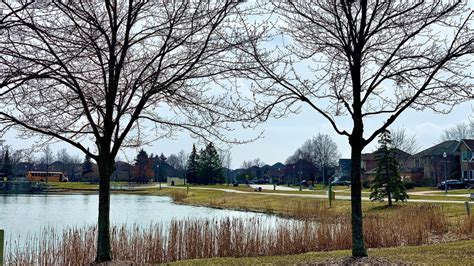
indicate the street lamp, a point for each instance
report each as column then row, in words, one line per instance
column 300, row 173
column 158, row 174
column 445, row 155
column 293, row 173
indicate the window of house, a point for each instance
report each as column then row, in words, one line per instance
column 465, row 156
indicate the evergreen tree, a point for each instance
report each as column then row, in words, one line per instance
column 209, row 166
column 192, row 167
column 87, row 165
column 387, row 182
column 142, row 168
column 7, row 165
column 161, row 168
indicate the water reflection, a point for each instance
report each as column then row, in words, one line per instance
column 21, row 215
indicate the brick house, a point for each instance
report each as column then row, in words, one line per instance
column 465, row 149
column 369, row 164
column 432, row 163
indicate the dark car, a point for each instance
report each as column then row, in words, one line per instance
column 341, row 183
column 453, row 184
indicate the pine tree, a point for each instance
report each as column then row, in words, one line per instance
column 87, row 165
column 209, row 166
column 387, row 182
column 161, row 168
column 142, row 167
column 192, row 167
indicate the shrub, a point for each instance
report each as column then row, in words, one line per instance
column 409, row 184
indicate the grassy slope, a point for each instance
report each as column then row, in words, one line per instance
column 257, row 202
column 280, row 204
column 455, row 253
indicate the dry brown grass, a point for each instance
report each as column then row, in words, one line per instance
column 464, row 226
column 178, row 195
column 238, row 237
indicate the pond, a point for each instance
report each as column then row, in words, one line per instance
column 27, row 215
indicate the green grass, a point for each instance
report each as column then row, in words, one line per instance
column 456, row 191
column 86, row 185
column 74, row 185
column 267, row 203
column 283, row 205
column 455, row 253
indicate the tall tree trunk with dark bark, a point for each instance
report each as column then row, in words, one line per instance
column 106, row 169
column 358, row 246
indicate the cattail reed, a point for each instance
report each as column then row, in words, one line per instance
column 236, row 237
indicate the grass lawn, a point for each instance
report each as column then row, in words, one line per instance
column 283, row 205
column 455, row 253
column 456, row 191
column 275, row 204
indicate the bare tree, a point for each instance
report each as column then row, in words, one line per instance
column 321, row 151
column 173, row 160
column 226, row 160
column 182, row 161
column 109, row 71
column 63, row 157
column 255, row 162
column 246, row 164
column 363, row 59
column 46, row 159
column 459, row 132
column 404, row 141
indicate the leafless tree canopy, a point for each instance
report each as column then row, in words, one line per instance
column 409, row 54
column 250, row 163
column 100, row 70
column 404, row 141
column 112, row 71
column 362, row 59
column 321, row 150
column 459, row 132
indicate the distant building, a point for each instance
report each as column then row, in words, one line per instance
column 466, row 151
column 369, row 165
column 432, row 162
column 345, row 169
column 175, row 181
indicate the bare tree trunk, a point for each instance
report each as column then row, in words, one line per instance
column 106, row 168
column 358, row 246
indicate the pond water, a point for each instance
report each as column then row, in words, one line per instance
column 26, row 215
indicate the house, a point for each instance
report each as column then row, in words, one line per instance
column 466, row 150
column 344, row 170
column 434, row 166
column 369, row 165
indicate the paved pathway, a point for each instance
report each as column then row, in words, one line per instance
column 341, row 197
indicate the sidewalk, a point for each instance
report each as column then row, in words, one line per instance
column 338, row 197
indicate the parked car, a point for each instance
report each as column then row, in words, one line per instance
column 453, row 184
column 469, row 181
column 341, row 183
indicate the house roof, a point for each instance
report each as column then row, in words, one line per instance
column 448, row 146
column 399, row 154
column 469, row 143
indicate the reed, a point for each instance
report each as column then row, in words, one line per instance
column 237, row 237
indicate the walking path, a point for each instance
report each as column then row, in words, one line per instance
column 340, row 197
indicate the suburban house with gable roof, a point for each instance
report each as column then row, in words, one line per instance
column 432, row 162
column 466, row 150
